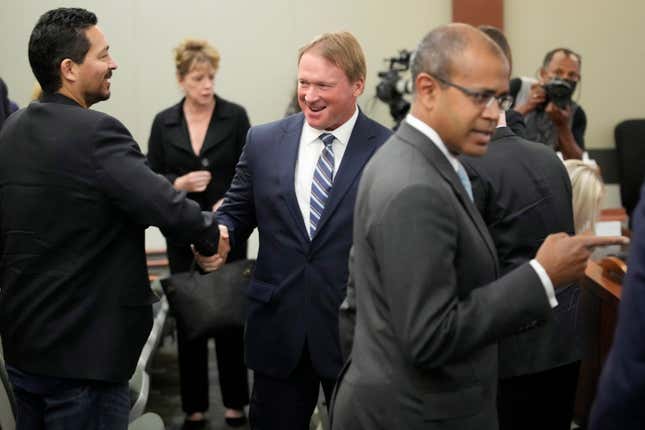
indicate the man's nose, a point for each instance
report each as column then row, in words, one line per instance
column 311, row 93
column 492, row 110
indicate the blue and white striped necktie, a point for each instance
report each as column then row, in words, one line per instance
column 321, row 185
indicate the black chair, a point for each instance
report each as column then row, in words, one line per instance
column 630, row 151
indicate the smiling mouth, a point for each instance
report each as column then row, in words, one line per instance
column 316, row 109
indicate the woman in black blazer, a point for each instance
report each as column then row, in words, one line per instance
column 196, row 145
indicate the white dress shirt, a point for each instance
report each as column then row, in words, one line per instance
column 309, row 151
column 436, row 139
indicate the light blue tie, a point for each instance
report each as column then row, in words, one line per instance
column 463, row 177
column 321, row 185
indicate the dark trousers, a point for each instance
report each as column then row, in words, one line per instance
column 287, row 404
column 50, row 403
column 193, row 371
column 193, row 355
column 540, row 401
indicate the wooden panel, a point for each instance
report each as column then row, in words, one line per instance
column 613, row 214
column 479, row 12
column 599, row 303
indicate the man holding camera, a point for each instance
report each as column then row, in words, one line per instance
column 551, row 116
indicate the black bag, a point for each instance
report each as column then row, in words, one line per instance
column 205, row 304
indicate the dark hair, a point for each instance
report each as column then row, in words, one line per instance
column 566, row 51
column 498, row 37
column 58, row 34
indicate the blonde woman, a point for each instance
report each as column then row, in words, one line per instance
column 196, row 144
column 588, row 189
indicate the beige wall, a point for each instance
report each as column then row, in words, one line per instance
column 258, row 41
column 610, row 37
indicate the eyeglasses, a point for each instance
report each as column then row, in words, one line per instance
column 481, row 98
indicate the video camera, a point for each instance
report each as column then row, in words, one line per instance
column 559, row 91
column 392, row 86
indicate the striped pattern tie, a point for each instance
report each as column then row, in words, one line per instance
column 321, row 185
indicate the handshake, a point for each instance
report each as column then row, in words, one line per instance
column 214, row 262
column 563, row 257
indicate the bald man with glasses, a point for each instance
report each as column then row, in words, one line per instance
column 430, row 308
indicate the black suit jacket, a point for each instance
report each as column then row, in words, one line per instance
column 76, row 195
column 5, row 109
column 515, row 121
column 523, row 192
column 171, row 154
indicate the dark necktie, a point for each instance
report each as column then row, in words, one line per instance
column 321, row 185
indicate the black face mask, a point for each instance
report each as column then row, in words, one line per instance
column 559, row 92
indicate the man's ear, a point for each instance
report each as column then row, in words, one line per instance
column 358, row 87
column 426, row 90
column 68, row 70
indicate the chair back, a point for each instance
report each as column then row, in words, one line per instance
column 630, row 151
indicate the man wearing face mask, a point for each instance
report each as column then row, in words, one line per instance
column 551, row 116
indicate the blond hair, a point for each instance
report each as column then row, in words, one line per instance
column 588, row 189
column 194, row 51
column 341, row 49
column 36, row 92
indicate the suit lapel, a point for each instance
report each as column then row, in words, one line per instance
column 358, row 152
column 286, row 158
column 177, row 130
column 445, row 169
column 220, row 126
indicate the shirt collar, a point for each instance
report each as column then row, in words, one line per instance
column 434, row 137
column 342, row 133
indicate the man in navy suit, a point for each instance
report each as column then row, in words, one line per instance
column 296, row 182
column 619, row 402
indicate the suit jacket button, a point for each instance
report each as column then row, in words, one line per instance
column 205, row 162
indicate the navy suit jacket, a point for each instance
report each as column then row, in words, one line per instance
column 298, row 283
column 619, row 400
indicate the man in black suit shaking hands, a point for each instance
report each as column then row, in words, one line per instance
column 76, row 195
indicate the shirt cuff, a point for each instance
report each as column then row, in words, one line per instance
column 546, row 282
